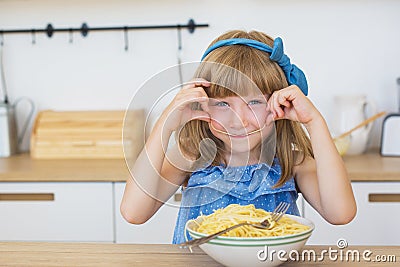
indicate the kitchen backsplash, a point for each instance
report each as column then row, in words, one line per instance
column 345, row 47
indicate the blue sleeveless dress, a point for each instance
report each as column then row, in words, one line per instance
column 216, row 187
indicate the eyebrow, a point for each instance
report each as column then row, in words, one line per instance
column 244, row 98
column 256, row 97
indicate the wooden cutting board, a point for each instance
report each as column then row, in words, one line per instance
column 87, row 134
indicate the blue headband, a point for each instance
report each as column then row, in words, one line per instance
column 293, row 74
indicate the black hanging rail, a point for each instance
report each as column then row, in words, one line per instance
column 85, row 29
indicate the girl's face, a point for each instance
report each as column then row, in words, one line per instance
column 241, row 123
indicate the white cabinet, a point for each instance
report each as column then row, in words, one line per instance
column 376, row 222
column 160, row 228
column 76, row 211
column 157, row 230
column 89, row 212
column 60, row 211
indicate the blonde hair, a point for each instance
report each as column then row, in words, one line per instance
column 293, row 145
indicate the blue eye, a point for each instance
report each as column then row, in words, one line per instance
column 221, row 104
column 254, row 102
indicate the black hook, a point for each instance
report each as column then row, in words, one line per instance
column 126, row 38
column 49, row 30
column 179, row 54
column 191, row 26
column 71, row 35
column 179, row 38
column 33, row 32
column 84, row 29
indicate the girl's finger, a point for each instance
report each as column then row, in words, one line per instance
column 204, row 105
column 197, row 83
column 192, row 95
column 185, row 100
column 278, row 111
column 270, row 106
column 283, row 101
column 200, row 96
column 269, row 119
column 201, row 115
column 201, row 82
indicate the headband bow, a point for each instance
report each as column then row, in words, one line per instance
column 293, row 74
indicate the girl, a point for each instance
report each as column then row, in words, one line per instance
column 239, row 124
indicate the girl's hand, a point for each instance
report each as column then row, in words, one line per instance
column 180, row 111
column 290, row 103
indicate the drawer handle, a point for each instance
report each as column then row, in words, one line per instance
column 384, row 197
column 26, row 196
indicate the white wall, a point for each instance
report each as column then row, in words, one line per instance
column 344, row 47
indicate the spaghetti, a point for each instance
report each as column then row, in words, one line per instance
column 235, row 214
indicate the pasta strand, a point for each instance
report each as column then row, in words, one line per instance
column 235, row 214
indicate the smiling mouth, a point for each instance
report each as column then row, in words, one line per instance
column 237, row 135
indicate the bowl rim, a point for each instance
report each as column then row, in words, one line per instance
column 230, row 243
column 254, row 239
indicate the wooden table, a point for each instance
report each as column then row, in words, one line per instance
column 94, row 254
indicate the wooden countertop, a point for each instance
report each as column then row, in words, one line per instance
column 22, row 168
column 372, row 167
column 92, row 254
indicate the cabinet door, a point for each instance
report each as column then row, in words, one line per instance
column 376, row 222
column 158, row 230
column 56, row 212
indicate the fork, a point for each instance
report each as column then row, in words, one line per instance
column 276, row 215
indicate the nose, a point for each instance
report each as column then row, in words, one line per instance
column 240, row 117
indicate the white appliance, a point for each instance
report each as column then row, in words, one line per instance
column 390, row 140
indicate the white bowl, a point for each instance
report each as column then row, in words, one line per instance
column 253, row 251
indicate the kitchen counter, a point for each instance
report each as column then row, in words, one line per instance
column 95, row 254
column 22, row 168
column 372, row 167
